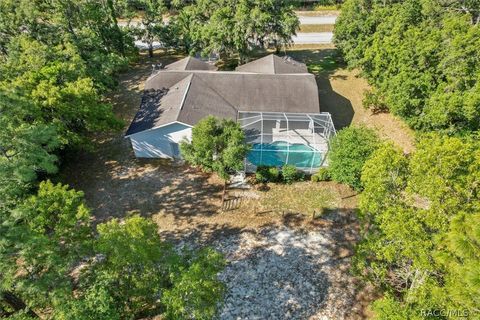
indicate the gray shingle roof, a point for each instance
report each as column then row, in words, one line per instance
column 202, row 100
column 273, row 64
column 190, row 95
column 159, row 106
column 190, row 63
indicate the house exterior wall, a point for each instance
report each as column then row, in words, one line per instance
column 156, row 143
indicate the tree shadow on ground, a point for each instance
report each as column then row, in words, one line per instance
column 323, row 63
column 119, row 185
column 288, row 269
column 269, row 275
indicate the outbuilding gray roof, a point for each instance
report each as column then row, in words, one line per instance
column 188, row 96
column 190, row 63
column 273, row 64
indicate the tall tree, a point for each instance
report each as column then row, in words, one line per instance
column 43, row 239
column 419, row 244
column 27, row 148
column 349, row 150
column 217, row 145
column 420, row 58
column 55, row 80
column 90, row 26
column 51, row 263
column 136, row 275
column 152, row 27
column 230, row 27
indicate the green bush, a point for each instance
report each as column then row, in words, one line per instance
column 274, row 174
column 349, row 150
column 261, row 175
column 267, row 174
column 222, row 135
column 287, row 174
column 322, row 175
column 290, row 174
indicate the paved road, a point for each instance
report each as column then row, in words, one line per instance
column 303, row 20
column 313, row 38
column 317, row 20
column 300, row 38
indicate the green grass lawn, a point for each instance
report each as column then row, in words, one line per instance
column 318, row 11
column 328, row 62
column 300, row 197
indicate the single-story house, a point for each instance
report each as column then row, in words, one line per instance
column 274, row 99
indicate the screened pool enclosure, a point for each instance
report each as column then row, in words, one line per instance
column 300, row 139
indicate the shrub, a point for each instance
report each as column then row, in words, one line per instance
column 349, row 150
column 322, row 175
column 290, row 174
column 261, row 175
column 373, row 101
column 273, row 174
column 267, row 174
column 217, row 145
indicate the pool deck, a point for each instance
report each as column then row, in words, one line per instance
column 296, row 136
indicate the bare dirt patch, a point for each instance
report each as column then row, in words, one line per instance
column 280, row 273
column 283, row 271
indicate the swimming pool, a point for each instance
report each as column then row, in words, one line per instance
column 279, row 153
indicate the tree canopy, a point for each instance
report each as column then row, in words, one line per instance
column 57, row 59
column 153, row 27
column 217, row 145
column 49, row 249
column 230, row 27
column 349, row 150
column 421, row 240
column 420, row 56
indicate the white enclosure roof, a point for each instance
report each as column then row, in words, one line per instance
column 278, row 138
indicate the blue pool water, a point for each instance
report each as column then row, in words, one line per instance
column 275, row 154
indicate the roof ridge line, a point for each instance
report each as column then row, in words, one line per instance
column 230, row 72
column 184, row 95
column 188, row 60
column 274, row 64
